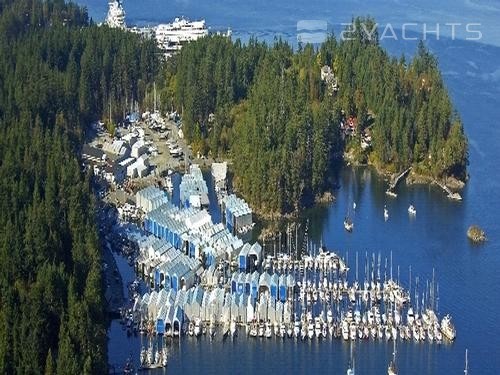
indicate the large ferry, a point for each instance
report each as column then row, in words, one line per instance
column 116, row 15
column 172, row 36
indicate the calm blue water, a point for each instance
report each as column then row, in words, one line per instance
column 468, row 275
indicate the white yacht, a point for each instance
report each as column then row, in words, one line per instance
column 386, row 213
column 329, row 316
column 345, row 330
column 172, row 36
column 310, row 329
column 116, row 15
column 348, row 224
column 392, row 369
column 447, row 328
column 412, row 210
column 197, row 327
column 164, row 356
column 296, row 328
column 232, row 328
column 410, row 316
column 317, row 327
column 268, row 332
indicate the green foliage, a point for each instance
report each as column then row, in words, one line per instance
column 57, row 73
column 275, row 118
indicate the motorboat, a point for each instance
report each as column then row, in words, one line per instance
column 412, row 210
column 348, row 224
column 197, row 327
column 296, row 329
column 268, row 332
column 232, row 328
column 447, row 328
column 310, row 329
column 392, row 369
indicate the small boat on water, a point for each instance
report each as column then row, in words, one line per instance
column 447, row 328
column 386, row 213
column 296, row 328
column 392, row 369
column 348, row 224
column 351, row 369
column 212, row 329
column 169, row 184
column 129, row 366
column 268, row 331
column 412, row 210
column 232, row 328
column 392, row 194
column 466, row 370
column 164, row 360
column 197, row 327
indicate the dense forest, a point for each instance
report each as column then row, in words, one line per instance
column 58, row 72
column 267, row 109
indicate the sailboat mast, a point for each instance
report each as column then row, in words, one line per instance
column 466, row 371
column 154, row 89
column 394, row 352
column 356, row 266
column 391, row 264
column 409, row 290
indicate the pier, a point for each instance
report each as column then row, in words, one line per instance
column 310, row 298
column 392, row 185
column 450, row 194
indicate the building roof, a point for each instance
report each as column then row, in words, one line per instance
column 219, row 171
column 237, row 206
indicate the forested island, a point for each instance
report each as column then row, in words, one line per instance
column 57, row 73
column 286, row 118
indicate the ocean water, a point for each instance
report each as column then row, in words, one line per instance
column 468, row 275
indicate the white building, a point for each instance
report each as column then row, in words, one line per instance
column 150, row 198
column 138, row 148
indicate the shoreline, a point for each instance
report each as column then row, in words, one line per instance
column 413, row 178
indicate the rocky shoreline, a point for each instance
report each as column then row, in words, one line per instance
column 413, row 177
column 476, row 234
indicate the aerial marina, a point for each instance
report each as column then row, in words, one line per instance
column 202, row 277
column 295, row 196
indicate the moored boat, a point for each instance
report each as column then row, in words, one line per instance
column 412, row 210
column 348, row 224
column 447, row 328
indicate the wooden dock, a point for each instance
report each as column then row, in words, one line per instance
column 450, row 194
column 392, row 185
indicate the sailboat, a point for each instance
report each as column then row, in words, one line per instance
column 392, row 369
column 466, row 371
column 164, row 361
column 351, row 370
